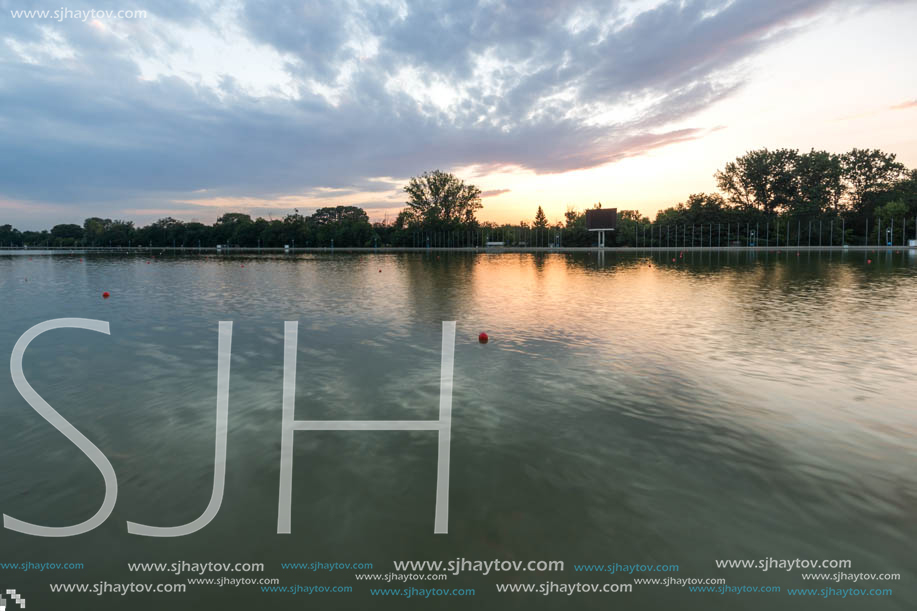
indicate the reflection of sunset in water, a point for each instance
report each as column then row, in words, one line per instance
column 726, row 405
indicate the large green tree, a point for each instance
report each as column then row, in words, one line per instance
column 69, row 232
column 761, row 179
column 345, row 225
column 820, row 177
column 867, row 171
column 10, row 236
column 102, row 232
column 439, row 200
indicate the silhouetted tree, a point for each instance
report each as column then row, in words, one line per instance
column 440, row 201
column 541, row 221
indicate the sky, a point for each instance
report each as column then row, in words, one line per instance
column 193, row 110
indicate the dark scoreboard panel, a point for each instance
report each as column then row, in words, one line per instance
column 601, row 218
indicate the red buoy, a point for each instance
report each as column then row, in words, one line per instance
column 106, row 295
column 869, row 260
column 673, row 259
column 483, row 338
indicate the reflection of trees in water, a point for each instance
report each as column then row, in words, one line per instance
column 539, row 259
column 599, row 260
column 440, row 285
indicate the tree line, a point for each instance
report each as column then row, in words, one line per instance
column 783, row 196
column 850, row 198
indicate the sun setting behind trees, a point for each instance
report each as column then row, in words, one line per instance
column 783, row 189
column 634, row 104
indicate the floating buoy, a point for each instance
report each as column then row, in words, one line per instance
column 673, row 259
column 482, row 337
column 243, row 265
column 106, row 295
column 868, row 260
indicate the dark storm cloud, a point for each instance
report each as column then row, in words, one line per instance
column 88, row 130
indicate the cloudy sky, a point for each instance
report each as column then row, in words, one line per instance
column 198, row 109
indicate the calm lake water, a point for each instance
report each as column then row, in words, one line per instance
column 629, row 409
